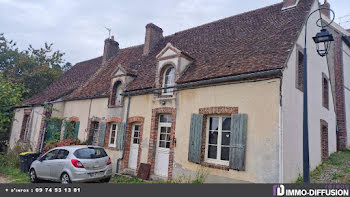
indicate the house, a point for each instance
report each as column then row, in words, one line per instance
column 225, row 97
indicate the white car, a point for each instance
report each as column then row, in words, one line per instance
column 69, row 164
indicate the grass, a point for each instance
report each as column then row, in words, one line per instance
column 199, row 178
column 336, row 169
column 10, row 162
column 125, row 179
column 14, row 175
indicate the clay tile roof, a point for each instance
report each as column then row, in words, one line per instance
column 250, row 42
column 99, row 84
column 254, row 41
column 69, row 81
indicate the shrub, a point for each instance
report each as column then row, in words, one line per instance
column 11, row 158
column 66, row 142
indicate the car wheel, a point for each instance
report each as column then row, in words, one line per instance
column 32, row 176
column 106, row 180
column 65, row 179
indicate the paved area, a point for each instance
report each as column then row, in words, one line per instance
column 4, row 180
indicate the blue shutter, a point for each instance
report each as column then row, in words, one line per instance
column 238, row 141
column 195, row 143
column 76, row 129
column 101, row 135
column 120, row 136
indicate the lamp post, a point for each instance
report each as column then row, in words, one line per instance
column 325, row 38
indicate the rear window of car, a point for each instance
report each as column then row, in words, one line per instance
column 90, row 153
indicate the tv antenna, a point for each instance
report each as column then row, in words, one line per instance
column 109, row 31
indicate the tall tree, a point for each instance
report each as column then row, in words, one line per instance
column 34, row 68
column 10, row 95
column 24, row 74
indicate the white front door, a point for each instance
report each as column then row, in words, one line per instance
column 163, row 146
column 134, row 146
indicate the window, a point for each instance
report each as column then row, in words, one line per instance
column 90, row 153
column 136, row 134
column 50, row 155
column 95, row 126
column 24, row 130
column 325, row 90
column 62, row 154
column 113, row 135
column 164, row 131
column 218, row 140
column 116, row 94
column 169, row 80
column 300, row 71
column 70, row 130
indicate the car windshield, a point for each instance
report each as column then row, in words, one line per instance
column 90, row 153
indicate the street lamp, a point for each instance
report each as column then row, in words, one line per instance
column 325, row 38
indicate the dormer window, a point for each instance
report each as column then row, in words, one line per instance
column 116, row 99
column 168, row 81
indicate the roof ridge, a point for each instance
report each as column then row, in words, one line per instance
column 95, row 58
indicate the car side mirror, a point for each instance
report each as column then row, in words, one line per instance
column 40, row 159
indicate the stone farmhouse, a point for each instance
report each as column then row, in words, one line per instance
column 225, row 97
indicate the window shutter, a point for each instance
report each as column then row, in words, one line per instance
column 195, row 144
column 238, row 141
column 76, row 129
column 101, row 135
column 120, row 136
column 66, row 125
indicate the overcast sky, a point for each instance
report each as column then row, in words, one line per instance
column 76, row 27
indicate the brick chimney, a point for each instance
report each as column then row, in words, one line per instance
column 153, row 35
column 326, row 12
column 110, row 49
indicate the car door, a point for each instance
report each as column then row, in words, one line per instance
column 58, row 164
column 47, row 161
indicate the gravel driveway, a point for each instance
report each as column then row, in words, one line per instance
column 4, row 180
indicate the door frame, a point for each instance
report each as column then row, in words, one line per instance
column 131, row 121
column 154, row 135
column 132, row 142
column 162, row 149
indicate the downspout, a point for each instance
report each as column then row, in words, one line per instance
column 280, row 146
column 126, row 124
column 87, row 126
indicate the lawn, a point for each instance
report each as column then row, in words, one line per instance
column 14, row 175
column 336, row 169
column 125, row 179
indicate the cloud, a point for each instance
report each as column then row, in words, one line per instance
column 77, row 27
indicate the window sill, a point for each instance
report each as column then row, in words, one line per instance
column 114, row 106
column 111, row 148
column 215, row 166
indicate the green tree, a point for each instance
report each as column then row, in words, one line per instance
column 34, row 68
column 10, row 95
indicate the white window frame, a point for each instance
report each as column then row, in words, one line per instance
column 133, row 134
column 118, row 96
column 218, row 154
column 115, row 135
column 170, row 90
column 164, row 124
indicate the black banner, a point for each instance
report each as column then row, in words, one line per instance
column 180, row 190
